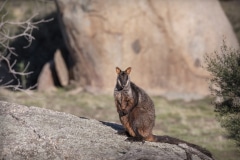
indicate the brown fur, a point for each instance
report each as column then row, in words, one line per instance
column 135, row 108
column 137, row 113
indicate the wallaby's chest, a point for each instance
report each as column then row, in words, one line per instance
column 121, row 95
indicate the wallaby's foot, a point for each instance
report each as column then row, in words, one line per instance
column 135, row 139
column 123, row 132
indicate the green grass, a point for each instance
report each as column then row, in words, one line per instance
column 193, row 121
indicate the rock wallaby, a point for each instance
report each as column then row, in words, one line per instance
column 137, row 113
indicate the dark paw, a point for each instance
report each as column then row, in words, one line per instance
column 123, row 113
column 122, row 132
column 135, row 139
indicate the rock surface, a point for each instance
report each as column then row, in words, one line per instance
column 46, row 79
column 163, row 41
column 53, row 73
column 61, row 68
column 36, row 133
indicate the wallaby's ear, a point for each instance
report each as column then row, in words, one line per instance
column 118, row 70
column 128, row 70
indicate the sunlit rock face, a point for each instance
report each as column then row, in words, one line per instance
column 37, row 133
column 163, row 41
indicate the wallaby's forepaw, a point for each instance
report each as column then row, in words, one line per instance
column 122, row 132
column 135, row 139
column 123, row 113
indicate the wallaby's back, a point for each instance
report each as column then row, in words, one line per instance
column 142, row 116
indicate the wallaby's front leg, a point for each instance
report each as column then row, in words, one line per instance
column 125, row 122
column 119, row 108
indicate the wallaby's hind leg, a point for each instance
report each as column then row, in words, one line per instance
column 142, row 136
column 142, row 123
column 146, row 134
column 150, row 138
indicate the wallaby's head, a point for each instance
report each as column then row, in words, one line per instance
column 123, row 77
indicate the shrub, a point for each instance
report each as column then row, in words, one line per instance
column 224, row 67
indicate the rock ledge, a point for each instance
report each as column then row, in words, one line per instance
column 37, row 133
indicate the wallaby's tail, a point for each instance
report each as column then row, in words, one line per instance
column 172, row 140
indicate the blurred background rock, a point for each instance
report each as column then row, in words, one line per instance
column 164, row 42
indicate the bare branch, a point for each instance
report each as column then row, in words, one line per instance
column 28, row 26
column 18, row 87
column 26, row 29
column 4, row 3
column 11, row 66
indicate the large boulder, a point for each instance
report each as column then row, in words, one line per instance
column 37, row 133
column 163, row 41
